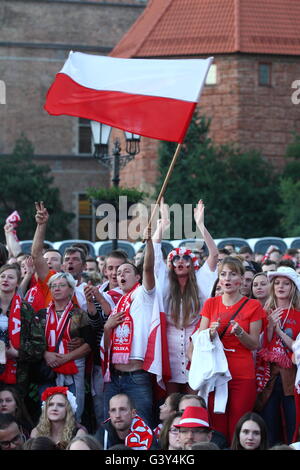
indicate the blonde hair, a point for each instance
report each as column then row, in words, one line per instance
column 294, row 296
column 67, row 276
column 44, row 425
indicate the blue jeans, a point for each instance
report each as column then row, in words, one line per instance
column 97, row 393
column 138, row 387
column 271, row 413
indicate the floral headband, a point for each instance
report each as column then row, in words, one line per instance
column 50, row 391
column 185, row 252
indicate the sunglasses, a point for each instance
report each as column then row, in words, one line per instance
column 185, row 258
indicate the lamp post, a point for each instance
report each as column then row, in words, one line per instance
column 101, row 133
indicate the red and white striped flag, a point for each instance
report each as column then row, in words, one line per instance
column 151, row 97
column 157, row 355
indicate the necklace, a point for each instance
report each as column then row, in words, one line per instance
column 235, row 301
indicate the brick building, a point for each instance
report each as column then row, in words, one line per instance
column 256, row 45
column 35, row 39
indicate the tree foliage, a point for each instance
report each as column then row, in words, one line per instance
column 22, row 183
column 240, row 189
column 290, row 190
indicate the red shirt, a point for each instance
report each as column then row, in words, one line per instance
column 240, row 361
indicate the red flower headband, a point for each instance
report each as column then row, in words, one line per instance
column 53, row 391
column 185, row 251
column 63, row 391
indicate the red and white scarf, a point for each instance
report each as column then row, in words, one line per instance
column 115, row 295
column 273, row 351
column 157, row 430
column 14, row 334
column 123, row 334
column 141, row 436
column 276, row 352
column 54, row 327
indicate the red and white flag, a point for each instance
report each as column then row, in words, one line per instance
column 157, row 355
column 151, row 97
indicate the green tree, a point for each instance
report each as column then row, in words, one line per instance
column 290, row 190
column 22, row 183
column 240, row 190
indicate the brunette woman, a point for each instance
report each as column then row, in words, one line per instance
column 283, row 316
column 250, row 433
column 22, row 339
column 184, row 287
column 167, row 409
column 238, row 322
column 169, row 436
column 12, row 402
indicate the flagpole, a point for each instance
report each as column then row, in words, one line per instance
column 165, row 183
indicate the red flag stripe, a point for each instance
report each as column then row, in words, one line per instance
column 150, row 116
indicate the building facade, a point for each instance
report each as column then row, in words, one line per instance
column 35, row 40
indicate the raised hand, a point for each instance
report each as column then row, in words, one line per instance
column 199, row 213
column 164, row 212
column 41, row 216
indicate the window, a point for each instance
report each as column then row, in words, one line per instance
column 264, row 74
column 84, row 137
column 211, row 78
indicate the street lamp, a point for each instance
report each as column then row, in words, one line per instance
column 101, row 133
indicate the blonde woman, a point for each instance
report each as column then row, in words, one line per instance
column 64, row 321
column 283, row 325
column 57, row 420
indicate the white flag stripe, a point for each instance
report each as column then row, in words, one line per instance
column 181, row 79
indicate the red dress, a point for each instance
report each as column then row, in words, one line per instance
column 242, row 387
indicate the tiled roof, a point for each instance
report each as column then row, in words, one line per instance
column 196, row 27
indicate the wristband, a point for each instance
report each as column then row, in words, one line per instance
column 238, row 335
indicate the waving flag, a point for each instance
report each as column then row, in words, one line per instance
column 153, row 98
column 157, row 355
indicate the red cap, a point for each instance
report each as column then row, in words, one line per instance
column 194, row 417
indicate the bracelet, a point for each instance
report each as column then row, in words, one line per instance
column 238, row 335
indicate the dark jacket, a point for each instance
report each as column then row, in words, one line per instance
column 32, row 344
column 107, row 436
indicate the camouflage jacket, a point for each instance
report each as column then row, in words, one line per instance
column 32, row 344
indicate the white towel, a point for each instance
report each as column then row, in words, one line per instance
column 209, row 369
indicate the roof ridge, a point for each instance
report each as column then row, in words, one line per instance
column 167, row 5
column 136, row 24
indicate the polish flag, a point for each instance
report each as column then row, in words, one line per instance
column 157, row 355
column 153, row 98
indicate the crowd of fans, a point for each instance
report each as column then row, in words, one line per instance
column 186, row 351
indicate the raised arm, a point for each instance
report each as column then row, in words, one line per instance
column 39, row 261
column 163, row 223
column 213, row 253
column 13, row 245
